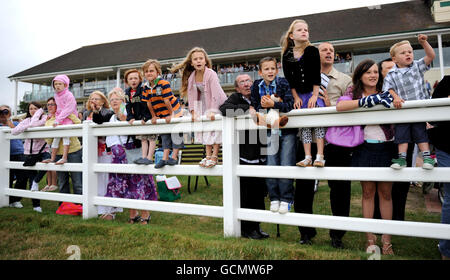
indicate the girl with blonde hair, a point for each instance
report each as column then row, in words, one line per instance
column 205, row 95
column 301, row 67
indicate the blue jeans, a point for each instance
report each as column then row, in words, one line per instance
column 444, row 161
column 38, row 175
column 63, row 177
column 281, row 152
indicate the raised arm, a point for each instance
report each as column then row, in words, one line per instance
column 429, row 52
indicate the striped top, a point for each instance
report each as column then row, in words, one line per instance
column 156, row 95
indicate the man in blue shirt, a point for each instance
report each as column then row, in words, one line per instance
column 16, row 154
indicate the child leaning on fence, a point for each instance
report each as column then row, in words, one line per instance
column 405, row 81
column 137, row 109
column 162, row 105
column 281, row 143
column 301, row 67
column 65, row 113
column 205, row 95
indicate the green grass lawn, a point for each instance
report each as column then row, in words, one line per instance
column 30, row 235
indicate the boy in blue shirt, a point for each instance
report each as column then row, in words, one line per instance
column 281, row 143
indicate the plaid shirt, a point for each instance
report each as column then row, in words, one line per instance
column 267, row 89
column 279, row 86
column 408, row 82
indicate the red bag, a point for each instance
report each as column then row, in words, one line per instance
column 69, row 208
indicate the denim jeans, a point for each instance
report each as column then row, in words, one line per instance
column 21, row 177
column 443, row 159
column 37, row 176
column 281, row 152
column 63, row 177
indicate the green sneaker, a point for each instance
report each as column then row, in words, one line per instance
column 428, row 163
column 398, row 163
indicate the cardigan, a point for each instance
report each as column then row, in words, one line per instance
column 214, row 94
column 282, row 89
column 302, row 74
column 38, row 119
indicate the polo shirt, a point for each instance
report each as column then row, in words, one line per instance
column 156, row 96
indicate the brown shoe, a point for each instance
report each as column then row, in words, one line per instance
column 283, row 121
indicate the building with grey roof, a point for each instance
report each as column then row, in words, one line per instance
column 361, row 33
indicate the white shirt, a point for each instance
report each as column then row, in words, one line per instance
column 115, row 140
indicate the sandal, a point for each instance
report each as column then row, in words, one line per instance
column 52, row 188
column 134, row 220
column 143, row 221
column 47, row 161
column 387, row 248
column 108, row 217
column 306, row 162
column 319, row 162
column 61, row 161
column 202, row 163
column 371, row 242
column 211, row 162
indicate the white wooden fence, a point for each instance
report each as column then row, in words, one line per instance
column 231, row 170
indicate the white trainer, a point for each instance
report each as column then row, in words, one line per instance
column 284, row 207
column 38, row 209
column 34, row 187
column 274, row 205
column 16, row 204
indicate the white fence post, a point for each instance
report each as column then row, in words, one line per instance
column 89, row 176
column 231, row 186
column 4, row 171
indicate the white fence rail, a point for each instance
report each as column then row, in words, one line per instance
column 231, row 170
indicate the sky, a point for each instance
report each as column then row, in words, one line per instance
column 33, row 32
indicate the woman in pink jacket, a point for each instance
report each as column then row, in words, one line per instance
column 66, row 105
column 205, row 95
column 35, row 117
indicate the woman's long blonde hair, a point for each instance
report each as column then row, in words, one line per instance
column 286, row 42
column 186, row 68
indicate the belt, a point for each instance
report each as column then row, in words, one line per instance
column 375, row 141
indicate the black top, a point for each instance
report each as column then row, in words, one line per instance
column 104, row 115
column 302, row 74
column 136, row 107
column 237, row 105
column 440, row 134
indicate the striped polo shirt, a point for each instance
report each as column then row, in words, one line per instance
column 156, row 96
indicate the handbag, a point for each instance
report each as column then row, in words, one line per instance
column 31, row 160
column 345, row 136
column 168, row 188
column 69, row 208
